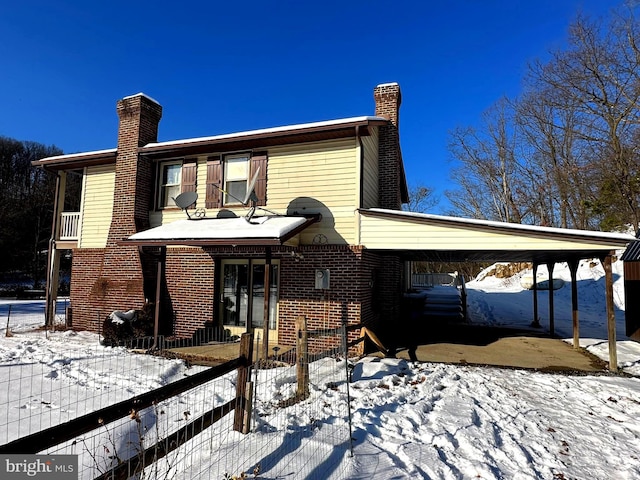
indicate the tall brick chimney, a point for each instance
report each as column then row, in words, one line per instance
column 126, row 278
column 388, row 98
column 139, row 118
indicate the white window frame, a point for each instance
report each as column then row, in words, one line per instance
column 230, row 176
column 164, row 199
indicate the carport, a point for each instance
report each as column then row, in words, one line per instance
column 434, row 238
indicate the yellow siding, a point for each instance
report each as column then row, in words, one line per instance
column 370, row 170
column 97, row 201
column 319, row 177
column 380, row 233
column 322, row 177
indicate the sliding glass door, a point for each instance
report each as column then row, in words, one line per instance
column 242, row 301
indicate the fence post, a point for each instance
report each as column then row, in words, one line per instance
column 242, row 413
column 302, row 358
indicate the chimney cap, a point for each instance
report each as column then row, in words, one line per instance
column 141, row 95
column 390, row 84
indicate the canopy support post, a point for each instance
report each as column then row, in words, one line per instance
column 552, row 320
column 267, row 294
column 156, row 311
column 536, row 318
column 611, row 314
column 573, row 268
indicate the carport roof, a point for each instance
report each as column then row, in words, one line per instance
column 419, row 236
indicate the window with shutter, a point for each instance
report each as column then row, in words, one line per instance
column 228, row 177
column 174, row 178
column 170, row 181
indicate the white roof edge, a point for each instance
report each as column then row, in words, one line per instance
column 390, row 84
column 517, row 226
column 283, row 128
column 140, row 94
column 81, row 154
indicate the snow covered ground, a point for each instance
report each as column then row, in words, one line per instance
column 422, row 420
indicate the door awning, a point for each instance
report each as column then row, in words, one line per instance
column 269, row 230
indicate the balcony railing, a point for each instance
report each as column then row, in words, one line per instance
column 69, row 223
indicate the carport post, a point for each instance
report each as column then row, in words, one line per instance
column 536, row 320
column 611, row 314
column 552, row 319
column 573, row 268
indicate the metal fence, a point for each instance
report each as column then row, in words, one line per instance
column 53, row 379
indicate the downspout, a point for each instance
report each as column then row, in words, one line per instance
column 359, row 139
column 361, row 183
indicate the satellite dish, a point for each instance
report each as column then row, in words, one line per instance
column 185, row 200
column 250, row 195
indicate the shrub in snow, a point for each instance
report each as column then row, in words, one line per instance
column 119, row 327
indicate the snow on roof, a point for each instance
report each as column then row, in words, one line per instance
column 516, row 226
column 81, row 154
column 222, row 228
column 285, row 128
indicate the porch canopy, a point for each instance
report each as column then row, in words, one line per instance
column 258, row 231
column 435, row 238
column 268, row 230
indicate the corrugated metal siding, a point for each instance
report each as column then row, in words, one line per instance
column 632, row 253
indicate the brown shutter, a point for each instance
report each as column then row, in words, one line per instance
column 259, row 160
column 214, row 180
column 189, row 175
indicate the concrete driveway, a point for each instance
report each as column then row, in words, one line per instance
column 483, row 345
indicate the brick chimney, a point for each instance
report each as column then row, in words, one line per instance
column 126, row 276
column 388, row 98
column 139, row 118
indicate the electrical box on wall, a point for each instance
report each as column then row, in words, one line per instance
column 322, row 278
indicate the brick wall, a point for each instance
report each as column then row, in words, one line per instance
column 388, row 99
column 349, row 282
column 190, row 275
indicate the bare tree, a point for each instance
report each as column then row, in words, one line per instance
column 489, row 174
column 599, row 77
column 567, row 152
column 421, row 198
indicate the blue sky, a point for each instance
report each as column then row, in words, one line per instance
column 221, row 67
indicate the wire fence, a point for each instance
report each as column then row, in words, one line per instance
column 51, row 378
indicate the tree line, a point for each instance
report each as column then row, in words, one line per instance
column 26, row 209
column 565, row 153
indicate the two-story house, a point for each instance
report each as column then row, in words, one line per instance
column 292, row 249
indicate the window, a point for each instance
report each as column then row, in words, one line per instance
column 174, row 178
column 170, row 184
column 236, row 175
column 231, row 173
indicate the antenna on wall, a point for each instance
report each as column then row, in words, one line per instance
column 185, row 200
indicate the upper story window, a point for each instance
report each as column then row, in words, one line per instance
column 175, row 177
column 236, row 178
column 229, row 175
column 170, row 184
